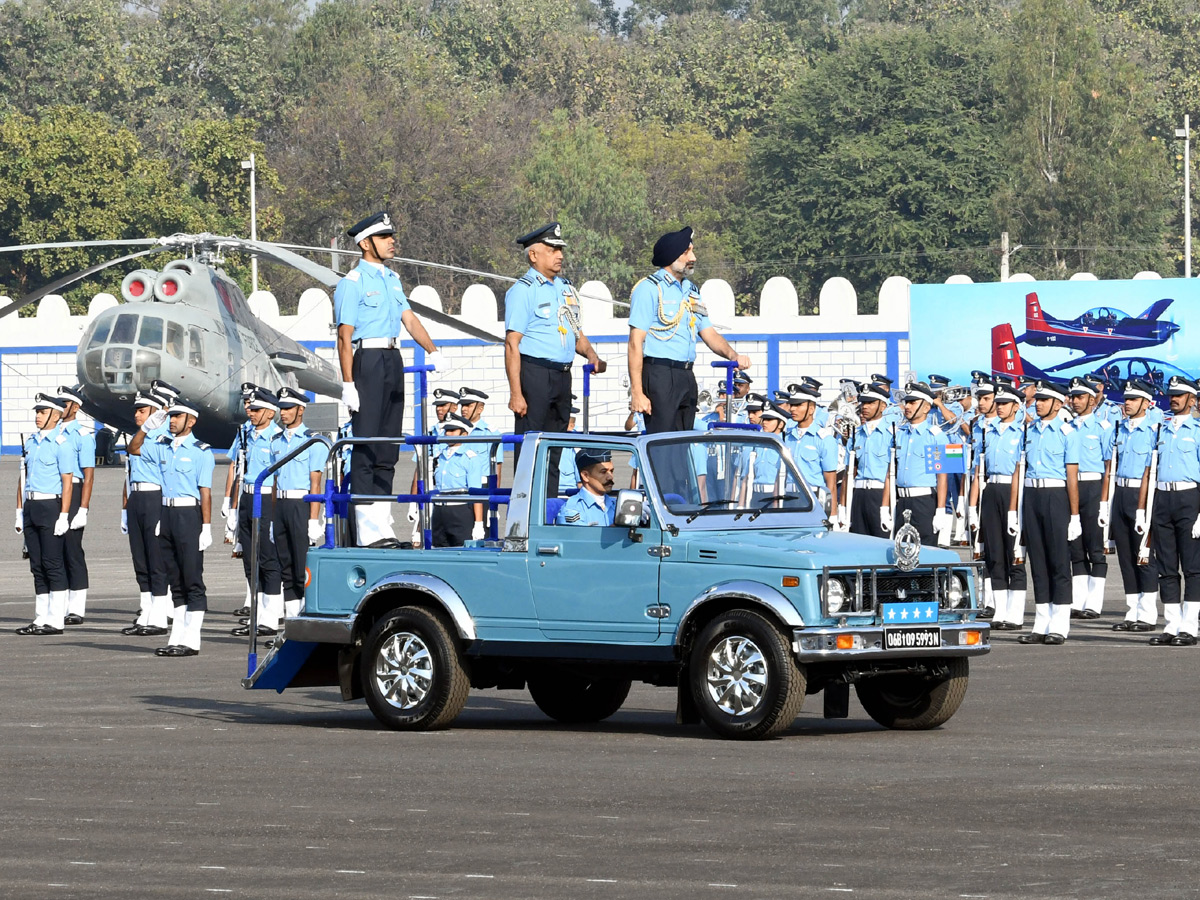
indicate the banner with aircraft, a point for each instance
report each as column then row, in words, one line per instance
column 1146, row 329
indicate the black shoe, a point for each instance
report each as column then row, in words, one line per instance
column 1140, row 626
column 263, row 631
column 242, row 611
column 180, row 650
column 1162, row 640
column 1054, row 639
column 31, row 628
column 1089, row 614
column 1076, row 613
column 150, row 630
column 73, row 619
column 1032, row 639
column 1124, row 626
column 986, row 613
column 1183, row 639
column 132, row 629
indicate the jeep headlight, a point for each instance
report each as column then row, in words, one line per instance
column 837, row 595
column 956, row 591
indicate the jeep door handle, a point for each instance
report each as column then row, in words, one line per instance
column 548, row 549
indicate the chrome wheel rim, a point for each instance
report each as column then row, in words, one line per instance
column 737, row 676
column 403, row 670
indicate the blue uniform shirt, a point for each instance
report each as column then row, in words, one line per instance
column 83, row 442
column 671, row 314
column 536, row 308
column 1096, row 438
column 460, row 467
column 186, row 464
column 1179, row 450
column 1110, row 412
column 141, row 469
column 258, row 453
column 568, row 471
column 1001, row 445
column 955, row 409
column 372, row 299
column 911, row 442
column 1049, row 448
column 768, row 465
column 872, row 449
column 482, row 427
column 297, row 474
column 1135, row 443
column 585, row 508
column 1155, row 415
column 49, row 455
column 815, row 451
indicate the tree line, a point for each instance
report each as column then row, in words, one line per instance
column 805, row 138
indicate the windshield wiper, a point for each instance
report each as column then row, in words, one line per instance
column 766, row 500
column 704, row 506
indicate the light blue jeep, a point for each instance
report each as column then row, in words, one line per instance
column 720, row 580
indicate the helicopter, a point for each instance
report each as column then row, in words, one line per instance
column 188, row 324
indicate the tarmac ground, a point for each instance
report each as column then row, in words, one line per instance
column 1069, row 772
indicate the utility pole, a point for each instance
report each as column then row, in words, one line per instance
column 249, row 164
column 1005, row 252
column 1185, row 133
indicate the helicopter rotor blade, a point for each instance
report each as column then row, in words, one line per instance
column 58, row 245
column 72, row 278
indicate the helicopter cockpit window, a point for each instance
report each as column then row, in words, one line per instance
column 175, row 339
column 152, row 333
column 100, row 335
column 125, row 329
column 195, row 349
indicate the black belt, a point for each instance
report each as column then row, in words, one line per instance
column 546, row 363
column 669, row 363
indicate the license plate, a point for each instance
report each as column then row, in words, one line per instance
column 912, row 638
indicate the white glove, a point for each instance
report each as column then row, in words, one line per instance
column 19, row 525
column 843, row 518
column 157, row 527
column 942, row 520
column 205, row 537
column 225, row 508
column 413, row 514
column 230, row 531
column 1074, row 528
column 416, row 537
column 477, row 532
column 885, row 518
column 316, row 534
column 124, row 521
column 1196, row 528
column 1102, row 516
column 62, row 525
column 1014, row 526
column 436, row 360
column 154, row 420
column 350, row 396
column 80, row 520
column 1139, row 521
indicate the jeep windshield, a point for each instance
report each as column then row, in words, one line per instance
column 735, row 476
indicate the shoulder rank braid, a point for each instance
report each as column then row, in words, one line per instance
column 670, row 326
column 568, row 316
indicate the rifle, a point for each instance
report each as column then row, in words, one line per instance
column 1108, row 492
column 21, row 488
column 981, row 484
column 1019, row 546
column 892, row 480
column 962, row 506
column 239, row 476
column 851, row 458
column 1144, row 548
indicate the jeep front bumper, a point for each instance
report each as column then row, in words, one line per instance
column 868, row 642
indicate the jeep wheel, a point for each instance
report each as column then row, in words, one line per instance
column 573, row 699
column 412, row 673
column 744, row 680
column 914, row 702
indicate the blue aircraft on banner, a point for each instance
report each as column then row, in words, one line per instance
column 1099, row 333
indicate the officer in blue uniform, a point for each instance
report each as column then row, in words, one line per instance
column 666, row 316
column 1051, row 514
column 296, row 523
column 568, row 471
column 542, row 335
column 139, row 519
column 919, row 492
column 1135, row 441
column 459, row 468
column 370, row 306
column 592, row 505
column 1175, row 530
column 1000, row 446
column 753, row 410
column 235, row 478
column 1089, row 569
column 257, row 454
column 871, row 447
column 43, row 513
column 1105, row 409
column 185, row 530
column 766, row 466
column 83, row 441
column 470, row 406
column 813, row 447
column 445, row 401
column 741, row 390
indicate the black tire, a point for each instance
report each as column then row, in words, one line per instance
column 570, row 698
column 758, row 707
column 914, row 702
column 412, row 671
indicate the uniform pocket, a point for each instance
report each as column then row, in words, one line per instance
column 372, row 298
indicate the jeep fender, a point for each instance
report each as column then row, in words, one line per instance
column 752, row 593
column 431, row 586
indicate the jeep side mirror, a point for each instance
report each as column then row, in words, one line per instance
column 629, row 509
